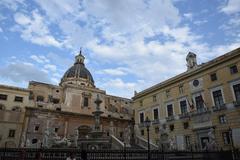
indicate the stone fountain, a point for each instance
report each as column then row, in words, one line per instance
column 96, row 138
column 97, row 132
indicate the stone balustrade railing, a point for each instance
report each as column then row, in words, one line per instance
column 144, row 143
column 116, row 143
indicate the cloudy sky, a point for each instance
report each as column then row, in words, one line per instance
column 128, row 44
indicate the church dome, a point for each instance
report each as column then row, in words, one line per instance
column 78, row 73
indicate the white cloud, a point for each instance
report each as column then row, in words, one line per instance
column 50, row 67
column 119, row 87
column 232, row 6
column 59, row 9
column 188, row 16
column 114, row 71
column 12, row 4
column 23, row 73
column 1, row 30
column 34, row 29
column 39, row 59
column 200, row 22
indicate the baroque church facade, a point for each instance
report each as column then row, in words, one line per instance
column 65, row 110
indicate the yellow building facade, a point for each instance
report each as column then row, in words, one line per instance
column 13, row 101
column 194, row 108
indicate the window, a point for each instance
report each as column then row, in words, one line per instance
column 34, row 141
column 233, row 69
column 236, row 89
column 183, row 106
column 141, row 103
column 142, row 132
column 36, row 128
column 121, row 134
column 3, row 97
column 40, row 98
column 222, row 119
column 85, row 102
column 171, row 127
column 226, row 137
column 18, row 99
column 168, row 93
column 185, row 125
column 155, row 114
column 156, row 129
column 213, row 77
column 180, row 88
column 55, row 100
column 154, row 98
column 56, row 129
column 170, row 110
column 199, row 103
column 11, row 133
column 141, row 116
column 218, row 98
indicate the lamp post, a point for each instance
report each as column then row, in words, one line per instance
column 147, row 124
column 231, row 142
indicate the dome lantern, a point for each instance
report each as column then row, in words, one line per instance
column 79, row 58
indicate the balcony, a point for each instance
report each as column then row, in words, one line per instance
column 236, row 103
column 184, row 115
column 41, row 104
column 170, row 118
column 219, row 108
column 200, row 111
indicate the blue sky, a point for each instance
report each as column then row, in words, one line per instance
column 128, row 44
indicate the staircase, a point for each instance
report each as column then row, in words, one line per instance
column 135, row 147
column 140, row 141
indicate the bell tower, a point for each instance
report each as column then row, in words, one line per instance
column 191, row 60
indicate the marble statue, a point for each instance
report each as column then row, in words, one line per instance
column 172, row 143
column 127, row 135
column 23, row 140
column 76, row 136
column 211, row 145
column 52, row 139
column 111, row 130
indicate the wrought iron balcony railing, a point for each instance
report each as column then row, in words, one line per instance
column 219, row 108
column 170, row 118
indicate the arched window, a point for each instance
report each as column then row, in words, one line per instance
column 34, row 141
column 2, row 107
column 16, row 108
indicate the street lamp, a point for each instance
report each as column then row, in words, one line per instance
column 231, row 141
column 147, row 124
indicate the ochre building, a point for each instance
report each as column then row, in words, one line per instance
column 27, row 114
column 188, row 109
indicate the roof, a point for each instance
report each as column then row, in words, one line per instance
column 200, row 68
column 14, row 88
